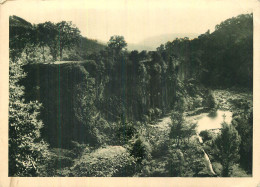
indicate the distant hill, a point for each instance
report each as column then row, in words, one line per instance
column 138, row 47
column 152, row 43
column 88, row 46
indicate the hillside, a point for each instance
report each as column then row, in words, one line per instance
column 24, row 35
column 222, row 58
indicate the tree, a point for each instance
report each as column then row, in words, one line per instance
column 180, row 130
column 171, row 78
column 227, row 144
column 117, row 43
column 48, row 35
column 45, row 33
column 58, row 37
column 177, row 126
column 140, row 149
column 143, row 55
column 243, row 122
column 21, row 36
column 175, row 163
column 160, row 49
column 27, row 151
column 69, row 36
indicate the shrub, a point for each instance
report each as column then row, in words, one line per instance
column 186, row 161
column 104, row 162
column 158, row 112
column 57, row 162
column 217, row 168
column 153, row 168
column 145, row 119
column 125, row 132
column 236, row 171
column 175, row 163
column 72, row 57
column 197, row 102
column 151, row 114
column 78, row 148
column 140, row 149
column 209, row 100
column 206, row 135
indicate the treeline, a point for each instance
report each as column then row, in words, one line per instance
column 223, row 58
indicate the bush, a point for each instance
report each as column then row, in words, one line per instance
column 206, row 135
column 58, row 160
column 63, row 157
column 104, row 162
column 209, row 100
column 158, row 112
column 78, row 148
column 197, row 102
column 175, row 163
column 161, row 145
column 140, row 149
column 153, row 168
column 104, row 131
column 186, row 161
column 151, row 114
column 125, row 132
column 217, row 167
column 236, row 171
column 145, row 119
column 72, row 57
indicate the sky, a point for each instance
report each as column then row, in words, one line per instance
column 134, row 19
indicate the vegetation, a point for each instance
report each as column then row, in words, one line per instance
column 227, row 144
column 28, row 152
column 221, row 58
column 42, row 41
column 104, row 162
column 111, row 112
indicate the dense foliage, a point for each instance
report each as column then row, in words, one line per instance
column 28, row 152
column 105, row 162
column 221, row 58
column 227, row 144
column 102, row 105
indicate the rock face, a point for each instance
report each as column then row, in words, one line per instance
column 63, row 88
column 56, row 86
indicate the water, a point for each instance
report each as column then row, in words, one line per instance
column 214, row 120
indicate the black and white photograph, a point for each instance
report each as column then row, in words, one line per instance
column 131, row 89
